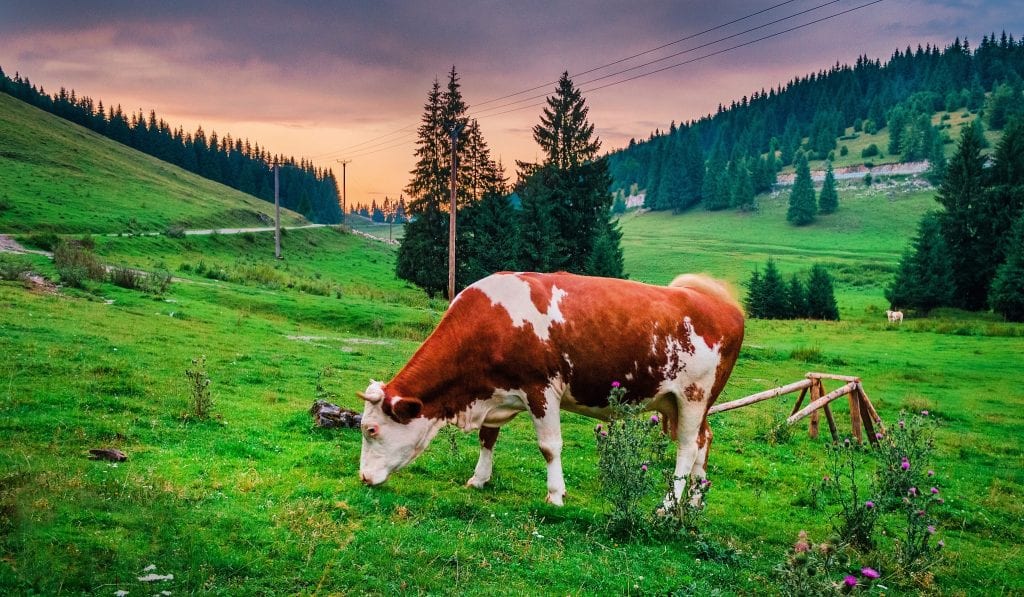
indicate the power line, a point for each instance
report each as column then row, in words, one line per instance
column 687, row 51
column 645, row 52
column 691, row 61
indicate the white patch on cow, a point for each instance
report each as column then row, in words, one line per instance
column 549, row 438
column 701, row 365
column 512, row 293
column 500, row 408
column 629, row 377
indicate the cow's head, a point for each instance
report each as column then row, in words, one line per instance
column 394, row 433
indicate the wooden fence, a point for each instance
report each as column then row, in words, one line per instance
column 863, row 416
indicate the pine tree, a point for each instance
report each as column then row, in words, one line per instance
column 574, row 183
column 796, row 299
column 828, row 200
column 821, row 299
column 754, row 301
column 802, row 203
column 1007, row 294
column 540, row 246
column 773, row 293
column 962, row 193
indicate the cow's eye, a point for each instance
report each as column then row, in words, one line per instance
column 371, row 430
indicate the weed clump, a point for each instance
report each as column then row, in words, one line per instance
column 200, row 404
column 75, row 264
column 13, row 267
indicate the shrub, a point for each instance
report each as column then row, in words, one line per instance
column 822, row 569
column 13, row 267
column 869, row 151
column 46, row 241
column 628, row 451
column 126, row 277
column 175, row 231
column 844, row 150
column 200, row 400
column 774, row 430
column 76, row 264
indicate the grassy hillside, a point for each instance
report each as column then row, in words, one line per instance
column 56, row 176
column 256, row 501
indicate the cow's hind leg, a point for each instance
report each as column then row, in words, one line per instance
column 484, row 465
column 688, row 432
column 699, row 471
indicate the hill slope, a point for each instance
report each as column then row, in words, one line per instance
column 56, row 176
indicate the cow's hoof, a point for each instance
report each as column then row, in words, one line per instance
column 556, row 499
column 476, row 482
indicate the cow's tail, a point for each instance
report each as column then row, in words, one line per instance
column 705, row 284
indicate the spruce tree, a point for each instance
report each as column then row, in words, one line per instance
column 1007, row 294
column 962, row 193
column 754, row 300
column 802, row 203
column 492, row 230
column 821, row 299
column 828, row 200
column 774, row 304
column 796, row 299
column 574, row 184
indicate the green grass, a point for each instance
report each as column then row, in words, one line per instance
column 256, row 501
column 56, row 176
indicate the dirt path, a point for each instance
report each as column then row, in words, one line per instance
column 9, row 245
column 849, row 172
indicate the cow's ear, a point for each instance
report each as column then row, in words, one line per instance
column 406, row 409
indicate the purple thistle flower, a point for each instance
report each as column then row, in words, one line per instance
column 654, row 419
column 597, row 428
column 931, row 473
column 935, row 490
column 869, row 573
column 924, row 413
column 920, row 513
column 643, row 467
column 931, row 529
column 705, row 483
column 604, row 434
column 905, row 465
column 616, row 384
column 902, row 424
column 869, row 504
column 850, row 581
column 912, row 491
column 879, row 435
column 847, row 441
column 941, row 543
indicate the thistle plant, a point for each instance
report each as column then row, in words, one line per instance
column 201, row 402
column 903, row 455
column 858, row 513
column 629, row 447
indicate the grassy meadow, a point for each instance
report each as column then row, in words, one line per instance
column 256, row 501
column 60, row 177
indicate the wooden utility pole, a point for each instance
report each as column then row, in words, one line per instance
column 456, row 128
column 343, row 192
column 277, row 211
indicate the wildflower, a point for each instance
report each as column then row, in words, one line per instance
column 941, row 501
column 847, row 442
column 705, row 483
column 616, row 384
column 654, row 419
column 869, row 504
column 597, row 428
column 643, row 467
column 879, row 435
column 931, row 529
column 941, row 543
column 604, row 434
column 924, row 413
column 869, row 572
column 931, row 473
column 905, row 465
column 850, row 581
column 802, row 544
column 912, row 491
column 825, row 479
column 935, row 490
column 902, row 424
column 920, row 513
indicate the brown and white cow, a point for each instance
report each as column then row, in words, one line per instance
column 538, row 343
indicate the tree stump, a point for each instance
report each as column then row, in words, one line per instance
column 326, row 414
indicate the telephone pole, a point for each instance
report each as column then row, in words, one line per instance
column 343, row 192
column 277, row 211
column 456, row 129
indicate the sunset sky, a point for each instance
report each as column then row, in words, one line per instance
column 333, row 80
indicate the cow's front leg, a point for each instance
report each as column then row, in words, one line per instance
column 549, row 436
column 485, row 464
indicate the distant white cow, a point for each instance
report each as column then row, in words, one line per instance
column 895, row 316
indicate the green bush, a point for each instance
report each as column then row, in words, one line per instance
column 75, row 264
column 200, row 404
column 869, row 151
column 13, row 267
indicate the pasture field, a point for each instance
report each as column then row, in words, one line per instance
column 257, row 501
column 60, row 177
